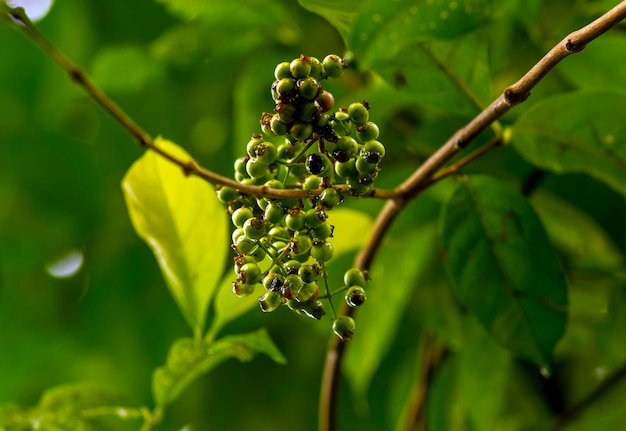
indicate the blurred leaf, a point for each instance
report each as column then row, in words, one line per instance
column 12, row 417
column 188, row 359
column 394, row 276
column 382, row 29
column 126, row 69
column 484, row 369
column 340, row 13
column 181, row 219
column 445, row 408
column 576, row 132
column 504, row 268
column 229, row 306
column 78, row 396
column 448, row 75
column 584, row 243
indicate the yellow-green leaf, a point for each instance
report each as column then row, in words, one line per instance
column 184, row 224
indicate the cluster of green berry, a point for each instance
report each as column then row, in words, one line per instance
column 284, row 244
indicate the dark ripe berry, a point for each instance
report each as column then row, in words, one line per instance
column 326, row 101
column 323, row 231
column 315, row 217
column 294, row 219
column 285, row 88
column 358, row 113
column 270, row 301
column 227, row 194
column 249, row 273
column 308, row 88
column 316, row 68
column 274, row 213
column 343, row 327
column 300, row 67
column 368, row 132
column 314, row 164
column 273, row 282
column 307, row 292
column 330, row 198
column 240, row 216
column 255, row 228
column 242, row 289
column 355, row 296
column 292, row 266
column 300, row 131
column 309, row 273
column 256, row 168
column 322, row 251
column 283, row 70
column 312, row 182
column 301, row 244
column 345, row 170
column 313, row 309
column 355, row 277
column 333, row 66
column 278, row 127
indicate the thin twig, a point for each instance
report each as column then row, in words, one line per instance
column 513, row 95
column 189, row 167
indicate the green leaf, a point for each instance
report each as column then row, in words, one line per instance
column 576, row 132
column 448, row 75
column 181, row 219
column 229, row 306
column 245, row 13
column 188, row 359
column 78, row 397
column 394, row 276
column 126, row 69
column 383, row 29
column 340, row 13
column 503, row 266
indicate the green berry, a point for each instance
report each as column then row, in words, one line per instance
column 292, row 266
column 274, row 213
column 345, row 147
column 368, row 132
column 300, row 67
column 266, row 152
column 330, row 198
column 278, row 127
column 322, row 251
column 227, row 194
column 285, row 88
column 249, row 273
column 374, row 151
column 307, row 111
column 240, row 216
column 346, row 170
column 240, row 166
column 283, row 70
column 286, row 113
column 243, row 289
column 292, row 283
column 323, row 231
column 252, row 144
column 343, row 327
column 301, row 244
column 308, row 88
column 255, row 228
column 315, row 217
column 237, row 233
column 333, row 66
column 316, row 68
column 312, row 182
column 245, row 245
column 273, row 282
column 309, row 273
column 358, row 113
column 256, row 168
column 357, row 187
column 355, row 277
column 364, row 167
column 270, row 301
column 278, row 232
column 313, row 309
column 301, row 131
column 295, row 219
column 308, row 292
column 355, row 296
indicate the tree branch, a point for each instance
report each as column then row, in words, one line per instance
column 427, row 174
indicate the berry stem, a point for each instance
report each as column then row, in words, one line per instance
column 327, row 290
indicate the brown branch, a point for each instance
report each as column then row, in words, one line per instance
column 409, row 189
column 189, row 167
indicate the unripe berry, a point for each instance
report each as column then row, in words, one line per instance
column 292, row 266
column 256, row 168
column 285, row 88
column 330, row 198
column 255, row 228
column 333, row 66
column 323, row 231
column 358, row 113
column 355, row 277
column 295, row 219
column 300, row 67
column 244, row 245
column 270, row 301
column 273, row 282
column 322, row 251
column 368, row 132
column 293, row 282
column 240, row 216
column 374, row 151
column 313, row 309
column 364, row 167
column 343, row 327
column 227, row 194
column 243, row 289
column 249, row 273
column 301, row 131
column 283, row 70
column 308, row 88
column 312, row 182
column 307, row 292
column 345, row 170
column 316, row 68
column 301, row 244
column 278, row 127
column 315, row 217
column 355, row 296
column 309, row 273
column 274, row 213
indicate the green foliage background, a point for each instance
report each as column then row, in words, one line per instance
column 199, row 73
